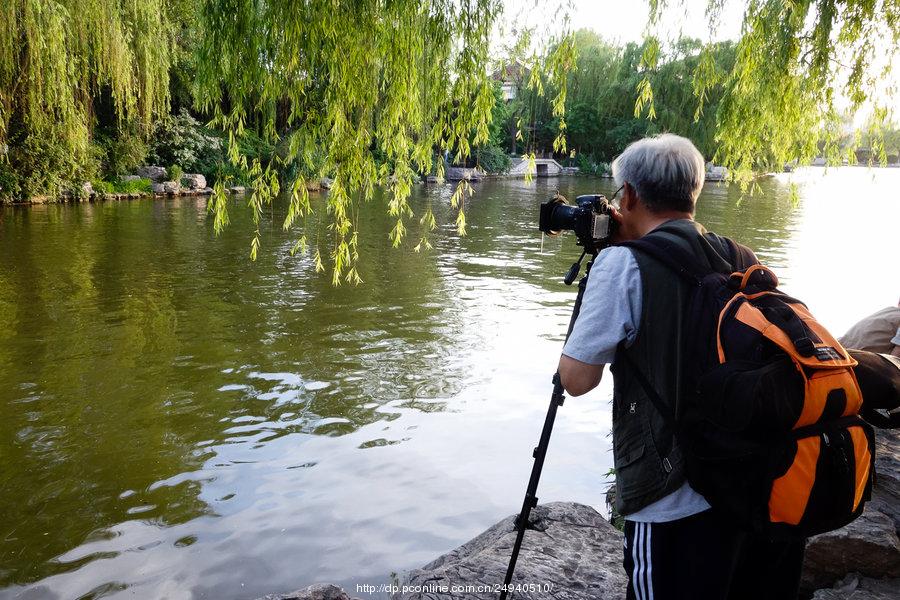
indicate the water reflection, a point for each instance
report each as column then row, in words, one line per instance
column 178, row 421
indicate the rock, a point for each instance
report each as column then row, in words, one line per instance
column 206, row 191
column 886, row 495
column 155, row 174
column 87, row 189
column 313, row 185
column 127, row 178
column 460, row 173
column 238, row 189
column 326, row 183
column 319, row 591
column 716, row 173
column 869, row 545
column 171, row 187
column 158, row 188
column 193, row 181
column 569, row 547
column 854, row 587
column 433, row 179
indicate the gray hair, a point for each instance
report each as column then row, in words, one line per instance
column 666, row 171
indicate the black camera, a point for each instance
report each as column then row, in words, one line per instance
column 590, row 218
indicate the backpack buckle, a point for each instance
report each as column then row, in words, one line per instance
column 667, row 465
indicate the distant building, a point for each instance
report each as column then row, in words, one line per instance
column 511, row 77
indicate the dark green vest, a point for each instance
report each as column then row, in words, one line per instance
column 648, row 461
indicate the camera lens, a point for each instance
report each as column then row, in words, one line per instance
column 556, row 217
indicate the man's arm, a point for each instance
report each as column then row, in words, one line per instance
column 577, row 377
column 610, row 311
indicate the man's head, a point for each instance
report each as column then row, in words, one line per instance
column 662, row 177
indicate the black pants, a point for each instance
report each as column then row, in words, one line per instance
column 703, row 557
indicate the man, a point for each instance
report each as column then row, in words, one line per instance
column 676, row 546
column 879, row 332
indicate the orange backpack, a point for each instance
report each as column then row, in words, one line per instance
column 770, row 423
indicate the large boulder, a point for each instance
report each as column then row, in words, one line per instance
column 193, row 181
column 854, row 587
column 466, row 173
column 155, row 174
column 886, row 496
column 868, row 545
column 319, row 591
column 171, row 187
column 570, row 552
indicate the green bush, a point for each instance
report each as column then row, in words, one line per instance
column 123, row 152
column 492, row 159
column 587, row 166
column 175, row 173
column 39, row 165
column 181, row 140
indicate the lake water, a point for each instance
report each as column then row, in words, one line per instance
column 179, row 422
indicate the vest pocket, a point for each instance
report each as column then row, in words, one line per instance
column 637, row 462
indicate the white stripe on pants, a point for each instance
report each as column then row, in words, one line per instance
column 642, row 576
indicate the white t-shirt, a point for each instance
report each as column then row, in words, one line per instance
column 611, row 312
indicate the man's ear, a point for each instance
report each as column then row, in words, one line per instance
column 629, row 198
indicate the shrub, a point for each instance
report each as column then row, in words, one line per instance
column 587, row 166
column 175, row 173
column 39, row 165
column 182, row 140
column 493, row 159
column 123, row 153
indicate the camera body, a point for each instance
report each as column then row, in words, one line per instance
column 590, row 218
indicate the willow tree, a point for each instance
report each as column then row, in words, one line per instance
column 801, row 65
column 402, row 80
column 57, row 56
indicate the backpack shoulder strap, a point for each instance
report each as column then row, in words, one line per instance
column 671, row 255
column 667, row 412
column 741, row 257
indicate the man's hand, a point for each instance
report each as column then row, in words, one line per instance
column 623, row 231
column 577, row 377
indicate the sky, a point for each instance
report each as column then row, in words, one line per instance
column 624, row 20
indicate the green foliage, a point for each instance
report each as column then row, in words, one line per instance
column 123, row 153
column 181, row 140
column 587, row 166
column 175, row 173
column 37, row 166
column 55, row 56
column 375, row 88
column 118, row 186
column 492, row 159
column 793, row 63
column 605, row 85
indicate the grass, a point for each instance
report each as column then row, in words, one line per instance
column 117, row 186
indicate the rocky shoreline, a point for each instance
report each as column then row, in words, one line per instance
column 572, row 553
column 161, row 186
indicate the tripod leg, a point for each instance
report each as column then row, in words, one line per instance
column 540, row 452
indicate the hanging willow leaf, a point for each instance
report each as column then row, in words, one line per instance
column 797, row 62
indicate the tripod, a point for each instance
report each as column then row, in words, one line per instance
column 540, row 451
